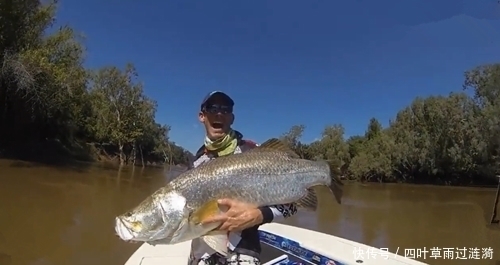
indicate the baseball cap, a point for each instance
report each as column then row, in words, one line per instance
column 220, row 93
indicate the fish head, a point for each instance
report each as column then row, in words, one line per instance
column 157, row 218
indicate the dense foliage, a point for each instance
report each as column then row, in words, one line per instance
column 50, row 102
column 440, row 139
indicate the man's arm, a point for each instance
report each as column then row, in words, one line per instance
column 277, row 212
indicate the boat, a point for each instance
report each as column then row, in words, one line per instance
column 284, row 245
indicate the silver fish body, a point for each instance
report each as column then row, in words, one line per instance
column 263, row 176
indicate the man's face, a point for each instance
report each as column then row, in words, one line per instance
column 217, row 117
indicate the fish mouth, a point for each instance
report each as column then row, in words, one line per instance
column 123, row 231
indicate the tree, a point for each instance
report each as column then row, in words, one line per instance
column 122, row 111
column 355, row 144
column 484, row 81
column 292, row 139
column 51, row 106
column 49, row 101
column 374, row 129
column 438, row 139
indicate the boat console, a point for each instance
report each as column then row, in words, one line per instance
column 282, row 260
column 277, row 250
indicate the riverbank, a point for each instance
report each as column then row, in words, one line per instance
column 79, row 155
column 59, row 154
column 480, row 182
column 51, row 152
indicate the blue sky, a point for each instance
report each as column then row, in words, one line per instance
column 289, row 62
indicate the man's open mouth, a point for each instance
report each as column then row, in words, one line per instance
column 217, row 125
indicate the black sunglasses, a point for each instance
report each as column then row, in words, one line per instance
column 214, row 108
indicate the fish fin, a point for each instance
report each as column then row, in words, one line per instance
column 336, row 184
column 278, row 145
column 217, row 240
column 207, row 210
column 310, row 201
column 336, row 188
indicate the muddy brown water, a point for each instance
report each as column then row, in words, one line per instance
column 64, row 216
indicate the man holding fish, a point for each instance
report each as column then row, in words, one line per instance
column 216, row 114
column 231, row 193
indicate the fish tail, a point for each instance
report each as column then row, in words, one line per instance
column 334, row 183
column 336, row 188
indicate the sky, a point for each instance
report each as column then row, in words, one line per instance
column 315, row 63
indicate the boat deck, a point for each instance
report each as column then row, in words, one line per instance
column 342, row 251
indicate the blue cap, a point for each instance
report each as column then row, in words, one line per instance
column 227, row 98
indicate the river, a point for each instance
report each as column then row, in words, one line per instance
column 64, row 216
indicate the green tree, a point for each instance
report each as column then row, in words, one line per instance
column 332, row 147
column 292, row 139
column 355, row 144
column 438, row 139
column 484, row 81
column 121, row 109
column 49, row 101
column 374, row 129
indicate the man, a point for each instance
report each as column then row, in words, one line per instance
column 242, row 220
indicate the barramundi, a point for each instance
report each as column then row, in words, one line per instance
column 270, row 174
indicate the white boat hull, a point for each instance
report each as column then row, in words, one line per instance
column 289, row 244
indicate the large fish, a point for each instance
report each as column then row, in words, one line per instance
column 270, row 174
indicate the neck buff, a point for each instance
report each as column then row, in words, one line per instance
column 223, row 146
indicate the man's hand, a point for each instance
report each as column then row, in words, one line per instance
column 238, row 217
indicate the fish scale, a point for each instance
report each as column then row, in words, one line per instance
column 267, row 175
column 251, row 179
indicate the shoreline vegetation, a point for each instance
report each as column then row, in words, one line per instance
column 53, row 110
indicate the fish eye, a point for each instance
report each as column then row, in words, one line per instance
column 128, row 214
